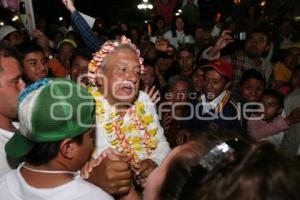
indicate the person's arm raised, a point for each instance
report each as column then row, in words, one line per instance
column 213, row 52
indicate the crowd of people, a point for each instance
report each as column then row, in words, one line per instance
column 176, row 111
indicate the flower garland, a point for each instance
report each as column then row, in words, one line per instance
column 136, row 138
column 107, row 48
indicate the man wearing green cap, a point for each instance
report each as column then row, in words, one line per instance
column 11, row 84
column 55, row 138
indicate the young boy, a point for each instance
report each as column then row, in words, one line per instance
column 272, row 124
column 55, row 139
column 215, row 109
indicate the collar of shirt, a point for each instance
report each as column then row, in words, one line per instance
column 207, row 106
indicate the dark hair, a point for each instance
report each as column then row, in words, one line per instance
column 254, row 171
column 276, row 95
column 156, row 18
column 29, row 47
column 263, row 31
column 7, row 51
column 174, row 79
column 187, row 47
column 43, row 152
column 148, row 63
column 80, row 52
column 184, row 173
column 251, row 74
column 173, row 26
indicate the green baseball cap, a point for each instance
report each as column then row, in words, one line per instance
column 51, row 110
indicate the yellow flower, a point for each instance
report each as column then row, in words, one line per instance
column 112, row 115
column 140, row 108
column 120, row 122
column 136, row 147
column 152, row 143
column 108, row 127
column 148, row 119
column 135, row 140
column 114, row 142
column 90, row 90
column 153, row 132
column 92, row 66
column 128, row 129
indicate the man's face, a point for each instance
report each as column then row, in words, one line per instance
column 214, row 84
column 65, row 53
column 252, row 90
column 79, row 68
column 160, row 24
column 198, row 79
column 256, row 45
column 148, row 76
column 271, row 107
column 180, row 92
column 34, row 66
column 199, row 34
column 123, row 76
column 185, row 60
column 11, row 84
column 179, row 24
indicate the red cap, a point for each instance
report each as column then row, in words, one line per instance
column 222, row 66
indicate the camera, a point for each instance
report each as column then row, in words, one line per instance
column 239, row 36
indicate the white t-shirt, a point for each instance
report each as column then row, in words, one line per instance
column 6, row 164
column 14, row 187
column 180, row 38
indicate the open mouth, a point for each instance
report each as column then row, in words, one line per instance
column 128, row 89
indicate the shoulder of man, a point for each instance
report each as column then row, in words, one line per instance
column 92, row 191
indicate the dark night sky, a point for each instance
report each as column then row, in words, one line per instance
column 111, row 10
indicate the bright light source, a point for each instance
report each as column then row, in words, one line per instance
column 237, row 2
column 15, row 18
column 297, row 18
column 145, row 5
column 180, row 11
column 1, row 23
column 177, row 14
column 60, row 18
column 263, row 3
column 146, row 22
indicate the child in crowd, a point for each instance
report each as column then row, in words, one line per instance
column 198, row 81
column 271, row 124
column 251, row 86
column 251, row 89
column 55, row 139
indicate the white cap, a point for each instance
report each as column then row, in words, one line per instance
column 5, row 30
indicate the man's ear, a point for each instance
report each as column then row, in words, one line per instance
column 67, row 148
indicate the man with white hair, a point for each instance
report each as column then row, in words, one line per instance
column 126, row 118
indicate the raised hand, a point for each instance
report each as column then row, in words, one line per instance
column 153, row 94
column 294, row 117
column 69, row 5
